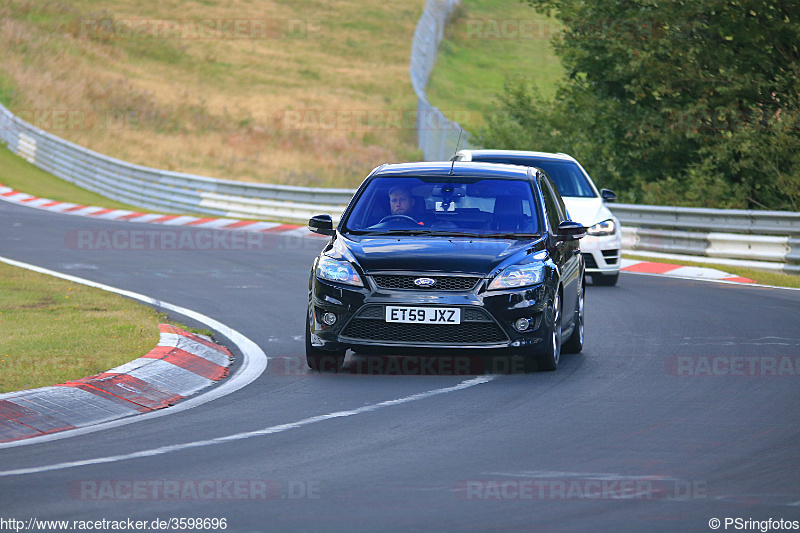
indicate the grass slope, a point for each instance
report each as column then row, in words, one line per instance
column 486, row 43
column 255, row 90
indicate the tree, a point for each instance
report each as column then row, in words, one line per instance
column 680, row 102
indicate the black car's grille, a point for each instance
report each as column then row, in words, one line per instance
column 476, row 327
column 470, row 314
column 588, row 259
column 376, row 331
column 371, row 311
column 443, row 283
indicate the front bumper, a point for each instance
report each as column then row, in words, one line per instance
column 602, row 254
column 486, row 317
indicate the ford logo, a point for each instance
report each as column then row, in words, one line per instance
column 424, row 282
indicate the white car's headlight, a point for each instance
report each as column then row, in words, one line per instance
column 339, row 271
column 518, row 276
column 601, row 229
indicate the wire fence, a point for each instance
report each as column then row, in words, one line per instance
column 437, row 136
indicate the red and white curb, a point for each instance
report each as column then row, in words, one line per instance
column 678, row 271
column 179, row 366
column 15, row 197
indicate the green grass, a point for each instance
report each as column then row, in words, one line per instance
column 763, row 277
column 55, row 330
column 486, row 43
column 7, row 90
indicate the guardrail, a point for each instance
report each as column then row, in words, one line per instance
column 163, row 189
column 711, row 220
column 769, row 237
column 765, row 239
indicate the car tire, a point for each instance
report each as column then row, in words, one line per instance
column 321, row 360
column 605, row 280
column 548, row 360
column 575, row 342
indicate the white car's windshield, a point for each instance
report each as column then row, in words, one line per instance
column 566, row 175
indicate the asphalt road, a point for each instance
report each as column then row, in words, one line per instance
column 670, row 417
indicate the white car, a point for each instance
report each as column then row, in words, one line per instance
column 601, row 248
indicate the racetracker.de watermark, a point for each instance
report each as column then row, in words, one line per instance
column 198, row 29
column 404, row 365
column 627, row 29
column 167, row 240
column 601, row 488
column 193, row 489
column 733, row 366
column 373, row 119
column 52, row 119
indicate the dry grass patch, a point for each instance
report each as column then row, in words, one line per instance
column 218, row 106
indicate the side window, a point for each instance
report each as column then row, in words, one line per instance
column 555, row 206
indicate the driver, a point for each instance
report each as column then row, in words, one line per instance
column 400, row 201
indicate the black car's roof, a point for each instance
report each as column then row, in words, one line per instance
column 467, row 169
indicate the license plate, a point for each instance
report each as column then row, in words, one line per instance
column 423, row 315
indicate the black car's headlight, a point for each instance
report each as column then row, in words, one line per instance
column 338, row 271
column 518, row 276
column 601, row 229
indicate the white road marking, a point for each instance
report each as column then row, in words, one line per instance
column 249, row 434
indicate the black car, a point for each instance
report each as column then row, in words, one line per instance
column 448, row 255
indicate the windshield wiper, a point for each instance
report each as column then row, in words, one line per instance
column 431, row 232
column 516, row 236
column 389, row 232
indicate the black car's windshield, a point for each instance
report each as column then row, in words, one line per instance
column 565, row 174
column 461, row 207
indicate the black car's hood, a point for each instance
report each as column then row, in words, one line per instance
column 434, row 254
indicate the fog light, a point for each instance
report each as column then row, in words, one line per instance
column 522, row 324
column 329, row 319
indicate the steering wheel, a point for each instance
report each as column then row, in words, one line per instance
column 397, row 217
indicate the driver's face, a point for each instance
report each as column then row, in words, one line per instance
column 400, row 203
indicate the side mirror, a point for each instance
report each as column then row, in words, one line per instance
column 608, row 195
column 569, row 230
column 322, row 224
